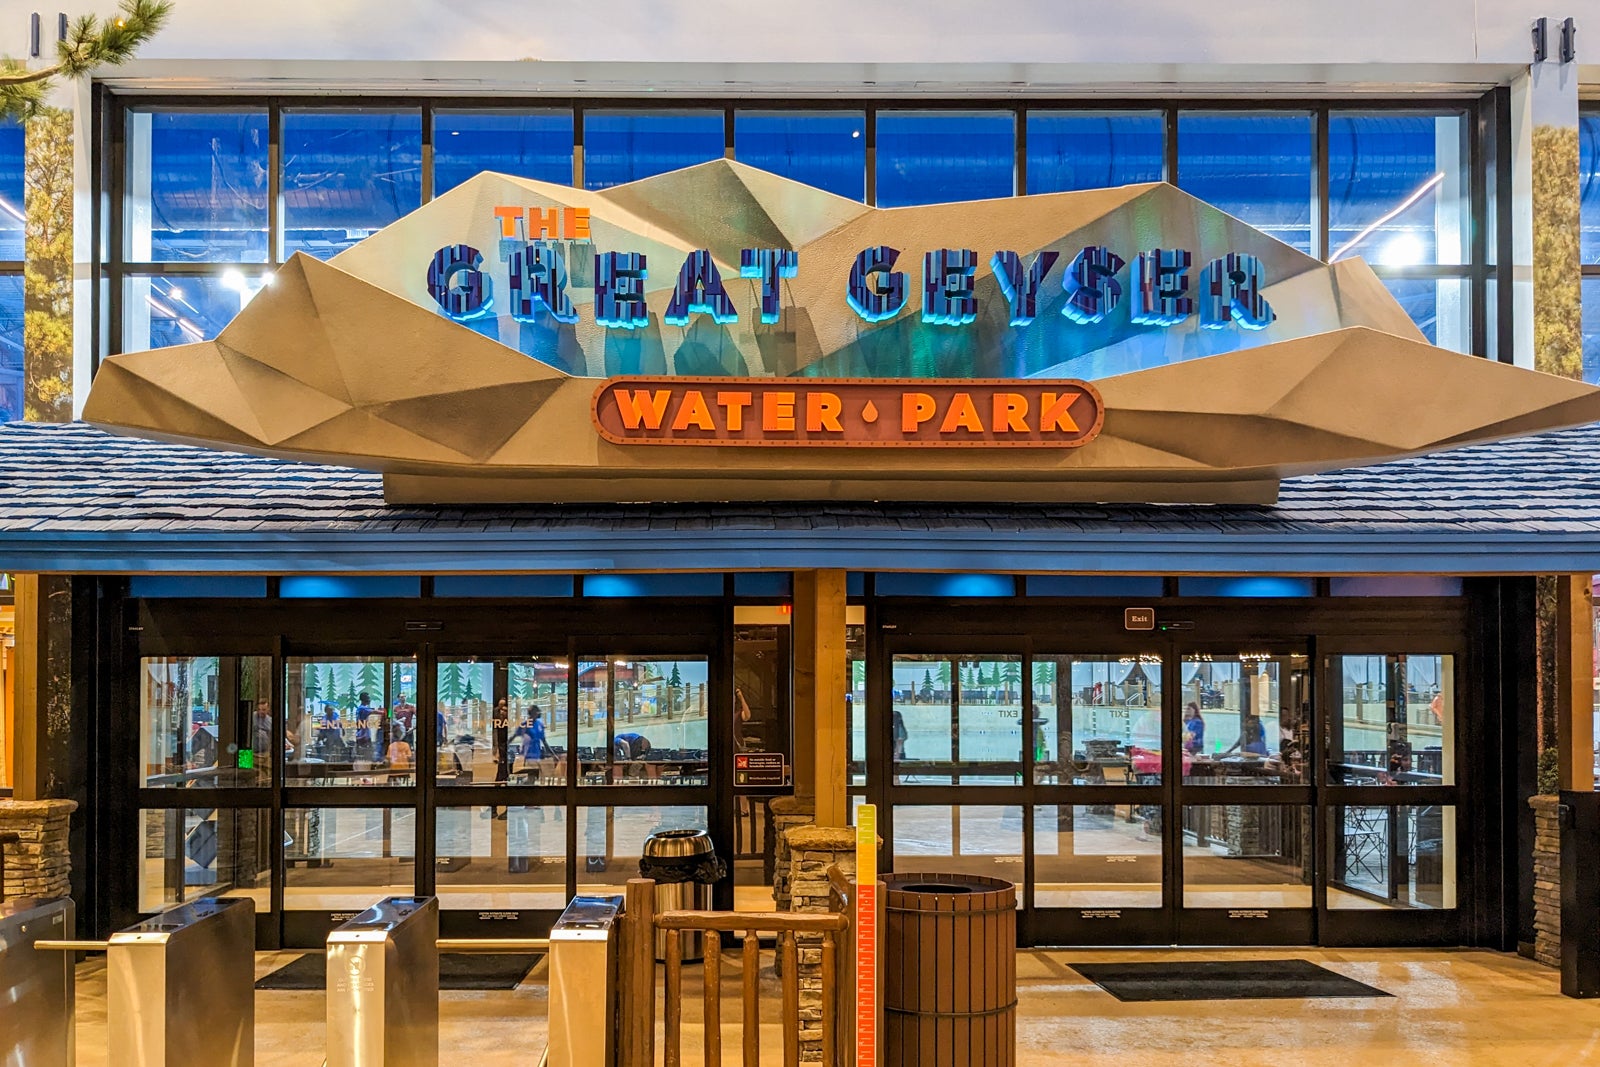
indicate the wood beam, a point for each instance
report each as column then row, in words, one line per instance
column 26, row 734
column 821, row 741
column 1575, row 673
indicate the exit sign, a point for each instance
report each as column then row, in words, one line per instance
column 1138, row 618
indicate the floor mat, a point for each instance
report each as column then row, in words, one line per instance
column 464, row 970
column 1222, row 980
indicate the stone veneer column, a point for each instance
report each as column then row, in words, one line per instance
column 1546, row 879
column 812, row 850
column 41, row 864
column 787, row 813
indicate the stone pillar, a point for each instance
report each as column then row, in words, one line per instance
column 1546, row 880
column 786, row 813
column 812, row 850
column 41, row 864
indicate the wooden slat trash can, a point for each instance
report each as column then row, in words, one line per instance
column 950, row 971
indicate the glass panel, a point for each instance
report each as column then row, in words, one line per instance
column 1588, row 186
column 1247, row 856
column 342, row 859
column 957, row 720
column 1097, row 856
column 1441, row 308
column 347, row 174
column 191, row 853
column 1591, row 327
column 473, row 726
column 352, row 721
column 624, row 146
column 527, row 144
column 1093, row 149
column 821, row 148
column 160, row 311
column 1252, row 714
column 643, row 721
column 857, row 711
column 11, row 169
column 197, row 187
column 1395, row 724
column 762, row 688
column 965, row 839
column 936, row 157
column 1391, row 857
column 498, row 858
column 611, row 840
column 11, row 381
column 1256, row 166
column 1097, row 720
column 1397, row 188
column 538, row 721
column 196, row 714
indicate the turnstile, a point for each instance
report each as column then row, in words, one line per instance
column 36, row 987
column 583, row 983
column 383, row 986
column 182, row 987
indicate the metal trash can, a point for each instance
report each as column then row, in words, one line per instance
column 684, row 865
column 950, row 971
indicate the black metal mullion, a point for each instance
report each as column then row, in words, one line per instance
column 274, row 183
column 1319, row 188
column 427, row 151
column 870, row 133
column 1169, row 145
column 1019, row 170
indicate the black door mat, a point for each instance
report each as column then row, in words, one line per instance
column 464, row 970
column 1223, row 980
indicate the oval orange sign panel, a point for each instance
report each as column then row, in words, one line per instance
column 859, row 412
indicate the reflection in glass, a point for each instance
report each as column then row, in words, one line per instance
column 1096, row 856
column 197, row 717
column 1246, row 719
column 611, row 840
column 353, row 721
column 346, row 175
column 956, row 720
column 197, row 187
column 1392, row 857
column 1246, row 856
column 762, row 683
column 966, row 839
column 1588, row 187
column 1256, row 166
column 1097, row 720
column 643, row 721
column 473, row 730
column 527, row 144
column 1441, row 308
column 507, row 857
column 160, row 311
column 625, row 146
column 821, row 148
column 1590, row 325
column 11, row 168
column 1395, row 723
column 937, row 157
column 1397, row 188
column 11, row 363
column 190, row 853
column 342, row 859
column 1093, row 149
column 857, row 711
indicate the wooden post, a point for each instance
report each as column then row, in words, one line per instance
column 637, row 1039
column 26, row 736
column 822, row 745
column 1575, row 696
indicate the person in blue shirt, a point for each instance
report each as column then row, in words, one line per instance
column 365, row 750
column 1194, row 729
column 1252, row 737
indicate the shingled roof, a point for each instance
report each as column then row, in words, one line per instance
column 75, row 499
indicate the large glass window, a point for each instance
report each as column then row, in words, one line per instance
column 498, row 858
column 342, row 859
column 611, row 841
column 189, row 853
column 957, row 720
column 1246, row 719
column 1097, row 720
column 1401, row 857
column 762, row 692
column 1096, row 856
column 346, row 175
column 352, row 721
column 1093, row 149
column 1394, row 721
column 961, row 839
column 205, row 721
column 826, row 149
column 11, row 196
column 527, row 144
column 1247, row 856
column 179, row 309
column 643, row 721
column 11, row 364
column 1256, row 166
column 625, row 146
column 1589, row 186
column 1441, row 308
column 197, row 186
column 1397, row 188
column 932, row 157
column 1591, row 327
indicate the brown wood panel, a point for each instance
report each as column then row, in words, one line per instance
column 674, row 986
column 713, row 999
column 752, row 1000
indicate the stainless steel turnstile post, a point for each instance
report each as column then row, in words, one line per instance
column 583, row 983
column 36, row 987
column 182, row 987
column 383, row 986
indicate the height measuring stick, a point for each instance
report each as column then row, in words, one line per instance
column 867, row 936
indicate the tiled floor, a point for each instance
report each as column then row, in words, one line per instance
column 1455, row 1008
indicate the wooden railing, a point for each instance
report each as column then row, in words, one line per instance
column 637, row 1007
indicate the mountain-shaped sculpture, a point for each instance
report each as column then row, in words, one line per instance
column 357, row 362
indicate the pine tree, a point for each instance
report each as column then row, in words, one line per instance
column 1011, row 675
column 311, row 685
column 90, row 43
column 927, row 685
column 522, row 681
column 450, row 684
column 371, row 679
column 944, row 675
column 858, row 673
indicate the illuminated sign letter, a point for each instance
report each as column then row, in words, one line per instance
column 1092, row 291
column 1021, row 288
column 768, row 265
column 539, row 280
column 1161, row 277
column 947, row 276
column 455, row 281
column 699, row 289
column 1230, row 290
column 872, row 300
column 619, row 290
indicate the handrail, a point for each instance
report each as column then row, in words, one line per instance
column 729, row 922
